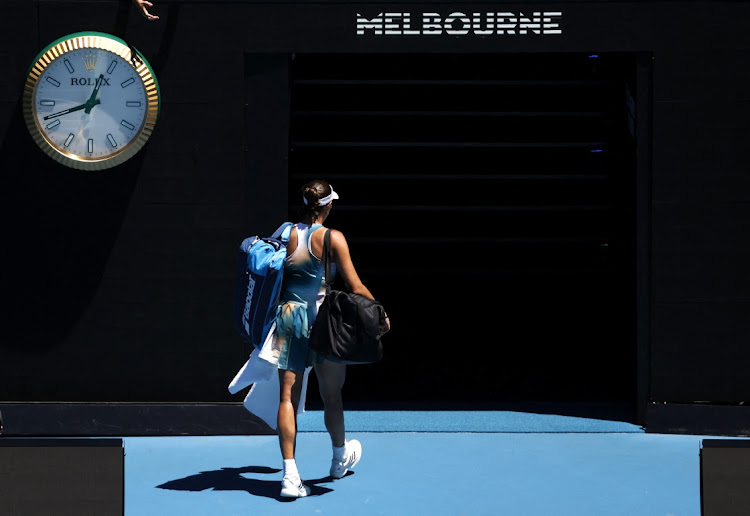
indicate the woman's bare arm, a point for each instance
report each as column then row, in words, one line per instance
column 346, row 269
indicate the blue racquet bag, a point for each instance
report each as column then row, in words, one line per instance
column 260, row 270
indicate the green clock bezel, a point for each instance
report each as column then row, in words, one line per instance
column 101, row 41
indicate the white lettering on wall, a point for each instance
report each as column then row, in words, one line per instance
column 396, row 24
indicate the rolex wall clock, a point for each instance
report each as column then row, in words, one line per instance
column 90, row 101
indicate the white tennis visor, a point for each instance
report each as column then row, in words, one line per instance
column 327, row 199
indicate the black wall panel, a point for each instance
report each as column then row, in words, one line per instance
column 725, row 471
column 124, row 278
column 119, row 283
column 62, row 476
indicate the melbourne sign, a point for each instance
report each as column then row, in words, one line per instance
column 460, row 24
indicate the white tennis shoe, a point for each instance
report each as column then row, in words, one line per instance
column 351, row 458
column 292, row 487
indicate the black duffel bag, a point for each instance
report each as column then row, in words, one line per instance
column 348, row 326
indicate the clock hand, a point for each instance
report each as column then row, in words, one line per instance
column 91, row 102
column 71, row 110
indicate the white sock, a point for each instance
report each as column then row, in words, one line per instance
column 339, row 452
column 290, row 468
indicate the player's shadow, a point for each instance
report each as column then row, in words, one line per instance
column 233, row 479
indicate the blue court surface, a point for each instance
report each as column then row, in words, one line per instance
column 426, row 463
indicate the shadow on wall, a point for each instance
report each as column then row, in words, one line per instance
column 58, row 228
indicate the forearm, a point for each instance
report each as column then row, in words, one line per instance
column 361, row 290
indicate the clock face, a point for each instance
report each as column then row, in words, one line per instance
column 90, row 107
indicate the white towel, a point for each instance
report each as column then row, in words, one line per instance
column 263, row 398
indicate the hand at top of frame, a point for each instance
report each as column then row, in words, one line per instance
column 143, row 6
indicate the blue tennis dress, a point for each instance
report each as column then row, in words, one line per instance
column 302, row 294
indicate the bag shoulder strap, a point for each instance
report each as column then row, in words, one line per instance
column 283, row 232
column 327, row 258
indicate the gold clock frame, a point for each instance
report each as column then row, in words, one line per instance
column 100, row 41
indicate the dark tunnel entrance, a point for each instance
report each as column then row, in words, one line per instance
column 489, row 202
